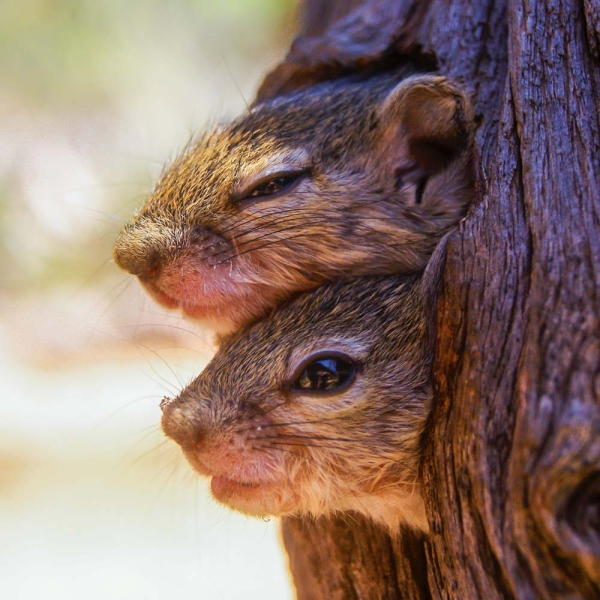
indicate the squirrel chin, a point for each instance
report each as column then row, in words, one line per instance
column 391, row 510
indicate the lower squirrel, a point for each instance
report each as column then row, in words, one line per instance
column 320, row 407
column 343, row 179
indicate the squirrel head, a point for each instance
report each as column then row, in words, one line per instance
column 343, row 179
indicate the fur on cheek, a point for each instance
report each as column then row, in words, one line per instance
column 391, row 506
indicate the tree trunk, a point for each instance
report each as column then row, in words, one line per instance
column 511, row 471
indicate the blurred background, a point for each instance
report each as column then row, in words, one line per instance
column 95, row 98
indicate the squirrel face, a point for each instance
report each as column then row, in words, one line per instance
column 340, row 180
column 319, row 407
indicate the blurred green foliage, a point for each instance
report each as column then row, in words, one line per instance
column 68, row 65
column 74, row 50
column 5, row 273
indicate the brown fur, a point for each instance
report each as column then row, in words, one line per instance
column 364, row 146
column 275, row 451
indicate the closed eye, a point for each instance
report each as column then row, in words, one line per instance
column 273, row 184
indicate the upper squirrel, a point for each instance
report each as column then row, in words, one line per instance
column 343, row 179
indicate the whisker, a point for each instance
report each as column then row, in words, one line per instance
column 266, row 412
column 358, row 226
column 139, row 344
column 111, row 218
column 171, row 467
column 267, row 449
column 274, row 212
column 377, row 198
column 272, row 243
column 124, row 284
column 277, row 212
column 305, row 445
column 144, row 455
column 267, row 425
column 116, row 411
column 323, row 212
column 176, row 328
column 239, row 90
column 307, row 437
column 269, row 233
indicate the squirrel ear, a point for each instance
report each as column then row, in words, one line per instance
column 426, row 124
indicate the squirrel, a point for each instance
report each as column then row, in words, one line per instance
column 347, row 178
column 320, row 407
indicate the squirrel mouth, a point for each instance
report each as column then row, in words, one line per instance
column 224, row 488
column 159, row 295
column 242, row 493
column 257, row 499
column 196, row 310
column 191, row 301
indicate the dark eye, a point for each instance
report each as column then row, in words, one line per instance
column 276, row 184
column 326, row 374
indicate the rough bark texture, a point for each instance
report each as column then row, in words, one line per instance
column 512, row 462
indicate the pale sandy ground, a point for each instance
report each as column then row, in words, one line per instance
column 93, row 503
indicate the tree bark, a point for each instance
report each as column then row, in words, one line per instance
column 511, row 471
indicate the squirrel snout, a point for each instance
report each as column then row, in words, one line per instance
column 179, row 426
column 137, row 257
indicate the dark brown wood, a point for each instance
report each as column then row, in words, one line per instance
column 511, row 471
column 341, row 558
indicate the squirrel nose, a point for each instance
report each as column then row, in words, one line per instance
column 137, row 257
column 179, row 425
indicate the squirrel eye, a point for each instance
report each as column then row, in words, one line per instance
column 276, row 184
column 325, row 374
